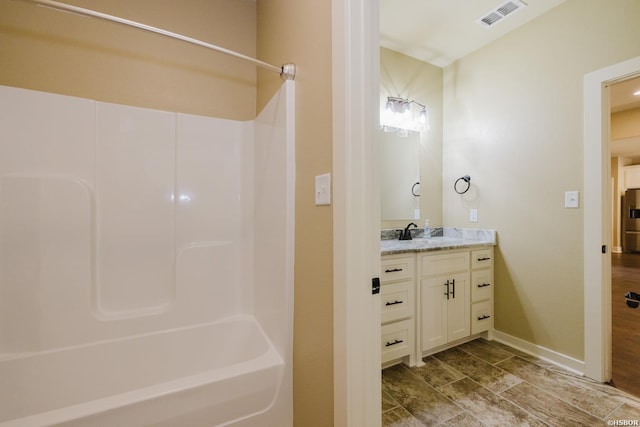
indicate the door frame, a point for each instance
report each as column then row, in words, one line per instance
column 356, row 213
column 597, row 216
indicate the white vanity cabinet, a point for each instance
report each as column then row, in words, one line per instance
column 397, row 298
column 481, row 290
column 434, row 299
column 444, row 298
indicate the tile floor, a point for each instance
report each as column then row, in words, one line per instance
column 483, row 383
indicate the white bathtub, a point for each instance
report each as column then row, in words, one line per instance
column 205, row 375
column 146, row 264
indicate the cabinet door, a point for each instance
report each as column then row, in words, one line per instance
column 482, row 258
column 481, row 286
column 632, row 176
column 397, row 340
column 458, row 307
column 396, row 269
column 440, row 264
column 434, row 312
column 481, row 317
column 397, row 301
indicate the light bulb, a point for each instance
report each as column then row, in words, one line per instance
column 389, row 106
column 423, row 116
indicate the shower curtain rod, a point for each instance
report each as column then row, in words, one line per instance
column 287, row 71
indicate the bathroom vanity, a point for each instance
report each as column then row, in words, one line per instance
column 435, row 293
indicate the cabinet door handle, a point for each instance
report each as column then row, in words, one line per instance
column 394, row 302
column 483, row 285
column 395, row 270
column 447, row 285
column 394, row 342
column 484, row 316
column 484, row 259
column 453, row 292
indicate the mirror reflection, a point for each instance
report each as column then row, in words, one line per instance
column 418, row 156
column 399, row 175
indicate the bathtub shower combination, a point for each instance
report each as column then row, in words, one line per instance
column 146, row 264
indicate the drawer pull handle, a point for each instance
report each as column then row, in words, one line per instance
column 395, row 270
column 447, row 292
column 483, row 317
column 394, row 302
column 484, row 259
column 394, row 342
column 483, row 285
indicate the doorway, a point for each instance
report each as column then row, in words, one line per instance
column 624, row 148
column 597, row 231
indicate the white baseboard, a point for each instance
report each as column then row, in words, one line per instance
column 564, row 361
column 616, row 249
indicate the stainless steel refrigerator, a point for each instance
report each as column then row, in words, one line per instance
column 631, row 221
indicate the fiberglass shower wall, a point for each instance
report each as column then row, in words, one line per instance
column 118, row 220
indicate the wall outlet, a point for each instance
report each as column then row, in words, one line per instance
column 473, row 215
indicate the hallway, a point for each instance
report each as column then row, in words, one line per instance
column 625, row 322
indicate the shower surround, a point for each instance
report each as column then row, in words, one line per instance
column 146, row 264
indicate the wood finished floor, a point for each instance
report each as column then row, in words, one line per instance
column 484, row 383
column 625, row 323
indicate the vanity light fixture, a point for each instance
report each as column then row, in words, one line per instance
column 399, row 117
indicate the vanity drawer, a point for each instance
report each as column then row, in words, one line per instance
column 397, row 301
column 481, row 258
column 481, row 285
column 396, row 340
column 481, row 317
column 396, row 269
column 433, row 265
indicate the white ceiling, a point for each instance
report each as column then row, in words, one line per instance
column 441, row 31
column 622, row 95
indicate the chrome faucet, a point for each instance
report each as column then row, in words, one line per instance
column 406, row 233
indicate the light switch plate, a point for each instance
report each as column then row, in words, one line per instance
column 572, row 199
column 323, row 189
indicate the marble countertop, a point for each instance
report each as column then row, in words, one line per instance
column 452, row 238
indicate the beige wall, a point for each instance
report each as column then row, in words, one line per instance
column 68, row 54
column 407, row 77
column 300, row 32
column 513, row 121
column 625, row 124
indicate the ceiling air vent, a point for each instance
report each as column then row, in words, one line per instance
column 491, row 19
column 500, row 13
